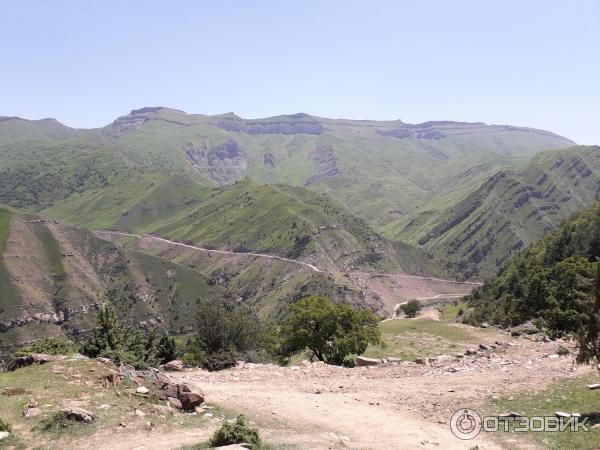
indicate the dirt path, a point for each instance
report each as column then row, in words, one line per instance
column 221, row 252
column 403, row 406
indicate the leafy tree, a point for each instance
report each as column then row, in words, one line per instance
column 411, row 308
column 589, row 336
column 53, row 345
column 122, row 344
column 225, row 327
column 167, row 349
column 331, row 331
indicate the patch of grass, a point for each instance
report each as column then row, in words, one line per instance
column 4, row 426
column 452, row 310
column 571, row 396
column 9, row 297
column 409, row 338
column 56, row 423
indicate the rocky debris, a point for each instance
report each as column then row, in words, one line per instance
column 103, row 360
column 363, row 361
column 393, row 359
column 161, row 409
column 483, row 347
column 485, row 325
column 4, row 435
column 79, row 414
column 142, row 390
column 174, row 365
column 471, row 352
column 179, row 395
column 594, row 386
column 418, row 131
column 421, row 361
column 139, row 413
column 510, row 414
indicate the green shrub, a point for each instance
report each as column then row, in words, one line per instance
column 4, row 426
column 411, row 308
column 55, row 423
column 562, row 351
column 50, row 346
column 220, row 360
column 236, row 433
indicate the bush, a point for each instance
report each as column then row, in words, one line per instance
column 55, row 423
column 236, row 433
column 331, row 331
column 4, row 426
column 226, row 326
column 220, row 360
column 50, row 346
column 411, row 308
column 562, row 351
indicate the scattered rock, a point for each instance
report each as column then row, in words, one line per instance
column 306, row 363
column 482, row 347
column 41, row 358
column 594, row 386
column 471, row 352
column 420, row 361
column 189, row 396
column 140, row 413
column 485, row 325
column 393, row 359
column 174, row 402
column 79, row 414
column 32, row 412
column 103, row 360
column 4, row 435
column 199, row 410
column 175, row 365
column 363, row 361
column 510, row 414
column 142, row 390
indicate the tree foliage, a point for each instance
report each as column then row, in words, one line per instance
column 126, row 345
column 411, row 308
column 331, row 331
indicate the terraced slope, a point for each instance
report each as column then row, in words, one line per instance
column 480, row 230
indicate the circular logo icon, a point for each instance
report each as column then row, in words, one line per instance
column 465, row 423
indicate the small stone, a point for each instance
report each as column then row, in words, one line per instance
column 199, row 410
column 142, row 390
column 32, row 412
column 140, row 413
column 208, row 415
column 4, row 435
column 174, row 402
column 79, row 414
column 594, row 386
column 482, row 347
column 363, row 361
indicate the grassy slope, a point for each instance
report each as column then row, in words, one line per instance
column 9, row 298
column 481, row 229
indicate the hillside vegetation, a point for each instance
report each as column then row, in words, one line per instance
column 478, row 230
column 550, row 282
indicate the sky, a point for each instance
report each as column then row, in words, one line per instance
column 527, row 62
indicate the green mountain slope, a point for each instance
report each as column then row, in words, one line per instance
column 480, row 229
column 54, row 278
column 379, row 170
column 550, row 281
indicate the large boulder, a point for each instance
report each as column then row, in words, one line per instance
column 189, row 396
column 175, row 365
column 363, row 361
column 79, row 414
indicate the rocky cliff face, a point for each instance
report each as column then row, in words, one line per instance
column 222, row 164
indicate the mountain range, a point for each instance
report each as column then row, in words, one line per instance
column 444, row 199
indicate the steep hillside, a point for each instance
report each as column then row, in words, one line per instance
column 379, row 170
column 54, row 278
column 480, row 229
column 550, row 281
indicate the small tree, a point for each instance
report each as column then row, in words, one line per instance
column 331, row 331
column 411, row 308
column 225, row 327
column 167, row 349
column 589, row 336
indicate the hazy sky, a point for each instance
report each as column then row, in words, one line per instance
column 525, row 62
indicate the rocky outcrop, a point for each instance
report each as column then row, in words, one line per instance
column 269, row 159
column 79, row 414
column 419, row 131
column 222, row 164
column 325, row 157
column 294, row 124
